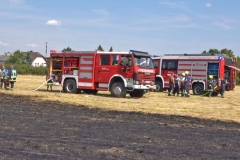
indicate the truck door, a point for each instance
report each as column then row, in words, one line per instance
column 123, row 68
column 168, row 67
column 102, row 73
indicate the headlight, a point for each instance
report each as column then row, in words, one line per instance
column 137, row 82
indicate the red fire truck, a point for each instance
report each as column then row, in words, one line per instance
column 92, row 71
column 199, row 66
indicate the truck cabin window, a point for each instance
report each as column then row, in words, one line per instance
column 115, row 60
column 105, row 59
column 143, row 62
column 169, row 64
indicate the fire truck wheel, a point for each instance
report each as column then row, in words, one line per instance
column 70, row 86
column 198, row 89
column 118, row 90
column 137, row 93
column 159, row 87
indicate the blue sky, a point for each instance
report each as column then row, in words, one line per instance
column 156, row 26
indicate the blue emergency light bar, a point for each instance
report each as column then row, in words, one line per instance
column 138, row 51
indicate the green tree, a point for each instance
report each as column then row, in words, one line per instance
column 211, row 51
column 68, row 49
column 16, row 58
column 226, row 51
column 28, row 58
column 100, row 48
column 111, row 49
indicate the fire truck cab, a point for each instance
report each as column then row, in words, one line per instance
column 199, row 66
column 92, row 71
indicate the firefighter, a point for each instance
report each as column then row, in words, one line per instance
column 210, row 85
column 223, row 85
column 176, row 88
column 12, row 76
column 183, row 89
column 4, row 77
column 187, row 82
column 171, row 84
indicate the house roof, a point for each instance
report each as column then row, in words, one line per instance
column 33, row 55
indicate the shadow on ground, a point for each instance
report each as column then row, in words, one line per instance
column 50, row 130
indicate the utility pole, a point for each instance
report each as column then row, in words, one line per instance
column 46, row 47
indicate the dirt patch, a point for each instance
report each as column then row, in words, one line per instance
column 32, row 129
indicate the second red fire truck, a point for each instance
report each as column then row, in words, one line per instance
column 199, row 66
column 92, row 71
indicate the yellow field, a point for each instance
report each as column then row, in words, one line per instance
column 227, row 109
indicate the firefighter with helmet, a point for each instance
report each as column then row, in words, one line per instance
column 210, row 85
column 183, row 89
column 187, row 83
column 4, row 78
column 12, row 76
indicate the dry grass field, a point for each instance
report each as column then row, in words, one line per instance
column 216, row 108
column 41, row 124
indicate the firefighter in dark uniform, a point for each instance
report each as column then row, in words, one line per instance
column 223, row 86
column 187, row 83
column 176, row 88
column 183, row 88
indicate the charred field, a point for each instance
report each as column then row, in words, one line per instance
column 41, row 125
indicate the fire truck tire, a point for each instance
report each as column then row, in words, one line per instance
column 137, row 93
column 118, row 90
column 198, row 89
column 70, row 86
column 159, row 87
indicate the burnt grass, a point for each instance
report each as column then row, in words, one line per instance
column 32, row 129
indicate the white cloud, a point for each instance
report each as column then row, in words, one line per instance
column 3, row 44
column 53, row 22
column 208, row 5
column 31, row 45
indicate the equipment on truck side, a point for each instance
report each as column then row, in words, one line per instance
column 199, row 66
column 92, row 71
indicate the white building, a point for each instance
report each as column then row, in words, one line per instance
column 39, row 61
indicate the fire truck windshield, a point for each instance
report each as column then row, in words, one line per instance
column 143, row 62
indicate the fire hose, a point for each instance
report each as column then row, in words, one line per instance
column 209, row 91
column 57, row 94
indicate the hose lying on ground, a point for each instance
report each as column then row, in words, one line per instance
column 41, row 85
column 57, row 94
